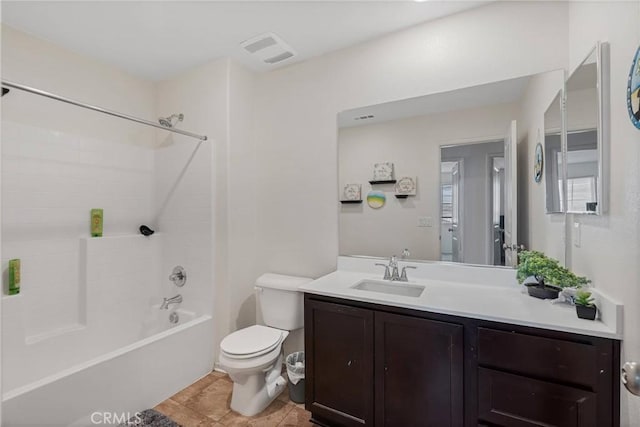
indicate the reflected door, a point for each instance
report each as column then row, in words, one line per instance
column 511, row 196
column 450, row 199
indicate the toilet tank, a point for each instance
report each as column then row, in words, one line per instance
column 280, row 301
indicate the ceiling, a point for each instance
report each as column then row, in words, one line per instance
column 158, row 39
column 502, row 92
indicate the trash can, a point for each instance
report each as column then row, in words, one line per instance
column 295, row 372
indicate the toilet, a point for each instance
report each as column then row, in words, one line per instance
column 253, row 356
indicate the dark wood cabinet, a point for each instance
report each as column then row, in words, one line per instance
column 383, row 366
column 512, row 400
column 339, row 363
column 418, row 371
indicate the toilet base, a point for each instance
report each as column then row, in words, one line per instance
column 254, row 392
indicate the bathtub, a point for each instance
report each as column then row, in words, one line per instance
column 114, row 386
column 117, row 354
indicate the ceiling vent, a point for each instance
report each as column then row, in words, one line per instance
column 268, row 48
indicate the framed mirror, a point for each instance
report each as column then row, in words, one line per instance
column 554, row 155
column 587, row 136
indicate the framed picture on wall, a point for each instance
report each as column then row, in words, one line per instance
column 352, row 192
column 406, row 186
column 383, row 171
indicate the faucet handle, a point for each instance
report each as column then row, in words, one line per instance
column 403, row 276
column 387, row 275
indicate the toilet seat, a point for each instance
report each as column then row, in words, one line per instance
column 251, row 342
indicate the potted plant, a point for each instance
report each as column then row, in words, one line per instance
column 585, row 308
column 544, row 277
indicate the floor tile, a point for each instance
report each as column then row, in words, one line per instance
column 284, row 396
column 213, row 401
column 218, row 374
column 195, row 388
column 184, row 416
column 297, row 417
column 270, row 417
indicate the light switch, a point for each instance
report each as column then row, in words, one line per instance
column 576, row 234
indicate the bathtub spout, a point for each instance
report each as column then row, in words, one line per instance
column 167, row 301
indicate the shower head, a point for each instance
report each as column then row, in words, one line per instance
column 168, row 121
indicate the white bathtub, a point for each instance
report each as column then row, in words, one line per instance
column 129, row 379
column 118, row 354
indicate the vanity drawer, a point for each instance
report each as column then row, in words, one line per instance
column 548, row 358
column 512, row 400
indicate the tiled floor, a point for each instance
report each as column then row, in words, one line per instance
column 206, row 404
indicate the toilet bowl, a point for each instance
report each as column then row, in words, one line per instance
column 253, row 359
column 253, row 356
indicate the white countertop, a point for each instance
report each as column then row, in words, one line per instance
column 506, row 303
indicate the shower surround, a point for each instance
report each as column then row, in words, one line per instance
column 89, row 312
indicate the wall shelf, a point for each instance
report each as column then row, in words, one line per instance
column 402, row 196
column 347, row 202
column 389, row 181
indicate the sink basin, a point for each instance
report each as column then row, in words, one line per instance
column 393, row 288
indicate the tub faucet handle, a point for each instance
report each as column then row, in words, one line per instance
column 178, row 276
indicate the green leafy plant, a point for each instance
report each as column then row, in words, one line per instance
column 584, row 299
column 534, row 263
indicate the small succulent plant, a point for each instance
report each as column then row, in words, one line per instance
column 584, row 299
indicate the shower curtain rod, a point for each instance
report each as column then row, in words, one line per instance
column 99, row 109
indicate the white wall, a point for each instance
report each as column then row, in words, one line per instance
column 295, row 110
column 609, row 247
column 58, row 163
column 413, row 145
column 537, row 230
column 610, row 244
column 46, row 66
column 196, row 220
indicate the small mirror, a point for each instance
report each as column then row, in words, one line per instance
column 553, row 156
column 586, row 140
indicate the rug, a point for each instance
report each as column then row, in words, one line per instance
column 150, row 418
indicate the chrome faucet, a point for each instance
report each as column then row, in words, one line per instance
column 403, row 276
column 391, row 271
column 167, row 301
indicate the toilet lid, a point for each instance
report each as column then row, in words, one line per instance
column 252, row 341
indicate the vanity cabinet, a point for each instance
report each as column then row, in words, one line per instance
column 377, row 365
column 339, row 363
column 418, row 371
column 367, row 367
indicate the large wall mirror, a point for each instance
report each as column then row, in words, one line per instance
column 587, row 135
column 435, row 175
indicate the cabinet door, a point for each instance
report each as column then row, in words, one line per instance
column 419, row 372
column 515, row 401
column 339, row 363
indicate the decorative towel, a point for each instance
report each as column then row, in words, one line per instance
column 150, row 418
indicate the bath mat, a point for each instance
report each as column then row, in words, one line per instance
column 150, row 418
